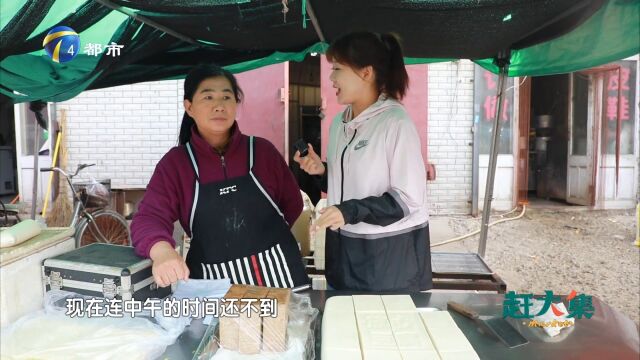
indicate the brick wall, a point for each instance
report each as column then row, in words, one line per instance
column 124, row 130
column 450, row 137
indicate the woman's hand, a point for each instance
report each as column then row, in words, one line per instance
column 311, row 164
column 331, row 218
column 168, row 265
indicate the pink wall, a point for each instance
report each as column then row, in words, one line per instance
column 262, row 112
column 415, row 102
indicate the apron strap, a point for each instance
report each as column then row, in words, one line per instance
column 196, row 191
column 250, row 153
column 192, row 157
column 255, row 179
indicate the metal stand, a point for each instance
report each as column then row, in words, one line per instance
column 502, row 60
column 464, row 271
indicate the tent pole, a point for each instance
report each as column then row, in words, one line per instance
column 502, row 60
column 148, row 22
column 314, row 21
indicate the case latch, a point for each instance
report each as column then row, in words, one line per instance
column 109, row 288
column 55, row 280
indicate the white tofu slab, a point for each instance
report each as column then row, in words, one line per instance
column 409, row 332
column 398, row 303
column 340, row 339
column 445, row 334
column 340, row 332
column 370, row 354
column 375, row 332
column 339, row 326
column 371, row 327
column 368, row 303
column 346, row 354
column 459, row 355
column 339, row 304
column 419, row 355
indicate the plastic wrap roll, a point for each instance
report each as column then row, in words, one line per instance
column 19, row 233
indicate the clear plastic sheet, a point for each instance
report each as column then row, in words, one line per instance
column 52, row 334
column 300, row 336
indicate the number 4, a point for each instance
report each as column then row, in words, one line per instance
column 70, row 51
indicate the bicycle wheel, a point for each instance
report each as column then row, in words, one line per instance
column 107, row 226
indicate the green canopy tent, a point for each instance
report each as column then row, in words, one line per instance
column 164, row 38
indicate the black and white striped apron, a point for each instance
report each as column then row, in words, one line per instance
column 239, row 233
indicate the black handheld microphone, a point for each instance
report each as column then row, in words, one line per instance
column 302, row 147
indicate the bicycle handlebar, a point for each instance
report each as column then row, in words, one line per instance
column 78, row 169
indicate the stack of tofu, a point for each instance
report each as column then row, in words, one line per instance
column 248, row 332
column 389, row 327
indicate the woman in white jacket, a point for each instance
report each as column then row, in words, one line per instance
column 377, row 221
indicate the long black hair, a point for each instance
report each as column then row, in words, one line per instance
column 197, row 75
column 380, row 51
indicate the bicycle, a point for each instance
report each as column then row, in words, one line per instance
column 94, row 223
column 9, row 211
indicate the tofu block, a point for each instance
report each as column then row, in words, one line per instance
column 446, row 335
column 340, row 330
column 342, row 354
column 250, row 322
column 339, row 304
column 339, row 326
column 419, row 355
column 459, row 355
column 274, row 330
column 409, row 332
column 389, row 327
column 370, row 354
column 398, row 303
column 340, row 339
column 368, row 303
column 229, row 326
column 375, row 331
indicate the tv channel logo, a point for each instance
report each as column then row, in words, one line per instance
column 62, row 44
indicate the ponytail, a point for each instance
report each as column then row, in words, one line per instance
column 185, row 129
column 396, row 82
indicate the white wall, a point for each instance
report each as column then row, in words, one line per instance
column 627, row 185
column 450, row 121
column 125, row 130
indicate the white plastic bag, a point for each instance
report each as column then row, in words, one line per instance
column 95, row 194
column 51, row 334
column 191, row 289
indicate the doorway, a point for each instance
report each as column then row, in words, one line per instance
column 8, row 174
column 548, row 138
column 305, row 117
column 581, row 141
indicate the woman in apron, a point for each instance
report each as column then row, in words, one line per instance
column 232, row 193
